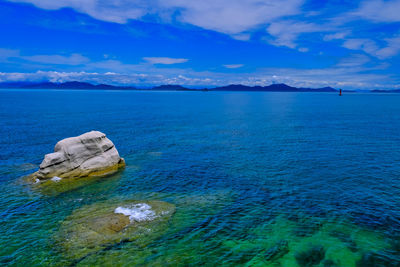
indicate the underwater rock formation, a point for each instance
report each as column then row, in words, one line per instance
column 277, row 251
column 90, row 154
column 372, row 259
column 102, row 226
column 311, row 257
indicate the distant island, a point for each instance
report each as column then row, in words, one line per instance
column 170, row 87
column 272, row 88
column 386, row 91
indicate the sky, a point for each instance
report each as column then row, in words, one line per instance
column 304, row 43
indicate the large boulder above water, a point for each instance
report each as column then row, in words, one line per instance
column 90, row 154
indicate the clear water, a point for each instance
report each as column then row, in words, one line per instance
column 258, row 179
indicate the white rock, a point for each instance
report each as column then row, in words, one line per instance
column 89, row 154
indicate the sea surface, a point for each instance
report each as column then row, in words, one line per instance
column 257, row 178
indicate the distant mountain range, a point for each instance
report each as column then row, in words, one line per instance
column 386, row 91
column 272, row 88
column 66, row 85
column 233, row 87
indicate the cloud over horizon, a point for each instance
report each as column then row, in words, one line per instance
column 127, row 37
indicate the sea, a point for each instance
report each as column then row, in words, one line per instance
column 257, row 178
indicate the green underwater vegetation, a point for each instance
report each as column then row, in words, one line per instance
column 282, row 241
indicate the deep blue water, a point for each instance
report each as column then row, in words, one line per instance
column 254, row 167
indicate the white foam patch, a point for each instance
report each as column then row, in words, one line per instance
column 37, row 181
column 56, row 179
column 138, row 212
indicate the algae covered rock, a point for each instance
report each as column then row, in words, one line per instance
column 311, row 257
column 277, row 251
column 101, row 226
column 90, row 154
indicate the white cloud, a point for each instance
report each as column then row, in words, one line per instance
column 351, row 77
column 370, row 47
column 6, row 54
column 118, row 11
column 365, row 45
column 336, row 36
column 239, row 19
column 354, row 61
column 379, row 10
column 233, row 66
column 74, row 59
column 165, row 60
column 233, row 16
column 140, row 79
column 349, row 73
column 242, row 36
column 287, row 32
column 392, row 48
column 227, row 16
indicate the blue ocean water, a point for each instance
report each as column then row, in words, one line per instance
column 247, row 171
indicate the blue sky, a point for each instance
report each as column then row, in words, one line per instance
column 343, row 44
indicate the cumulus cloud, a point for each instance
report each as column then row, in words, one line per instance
column 165, row 60
column 138, row 79
column 351, row 77
column 346, row 74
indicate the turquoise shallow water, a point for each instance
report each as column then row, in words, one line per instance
column 258, row 179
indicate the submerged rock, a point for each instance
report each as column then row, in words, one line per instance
column 372, row 259
column 277, row 251
column 346, row 238
column 329, row 263
column 90, row 154
column 102, row 226
column 311, row 257
column 307, row 226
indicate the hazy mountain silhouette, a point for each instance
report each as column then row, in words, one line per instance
column 233, row 87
